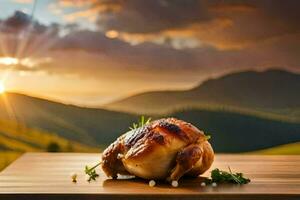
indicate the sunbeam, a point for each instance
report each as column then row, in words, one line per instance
column 24, row 49
column 2, row 88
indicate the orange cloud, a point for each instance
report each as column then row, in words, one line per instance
column 88, row 9
column 232, row 7
column 201, row 34
column 221, row 24
column 76, row 3
column 23, row 1
column 167, row 44
column 90, row 14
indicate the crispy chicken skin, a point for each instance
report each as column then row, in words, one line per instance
column 163, row 149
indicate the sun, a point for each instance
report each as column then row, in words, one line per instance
column 2, row 88
column 9, row 61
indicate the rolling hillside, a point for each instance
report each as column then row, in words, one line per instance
column 272, row 93
column 89, row 126
column 238, row 110
column 16, row 139
column 234, row 132
column 286, row 149
column 231, row 131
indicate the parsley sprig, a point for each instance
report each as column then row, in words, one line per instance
column 91, row 172
column 142, row 122
column 219, row 176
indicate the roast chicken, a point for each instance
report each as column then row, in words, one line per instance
column 165, row 149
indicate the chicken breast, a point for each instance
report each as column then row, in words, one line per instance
column 163, row 149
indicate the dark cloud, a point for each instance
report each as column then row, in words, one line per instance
column 287, row 11
column 232, row 35
column 104, row 57
column 223, row 24
column 156, row 44
column 21, row 36
column 20, row 21
column 231, row 24
column 117, row 54
column 267, row 20
column 16, row 23
column 137, row 16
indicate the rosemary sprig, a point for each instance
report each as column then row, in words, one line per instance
column 142, row 122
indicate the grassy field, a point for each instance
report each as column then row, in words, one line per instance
column 286, row 149
column 15, row 139
column 19, row 138
column 7, row 157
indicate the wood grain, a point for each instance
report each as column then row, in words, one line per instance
column 47, row 176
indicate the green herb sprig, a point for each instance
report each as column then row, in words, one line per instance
column 219, row 176
column 142, row 122
column 207, row 137
column 91, row 172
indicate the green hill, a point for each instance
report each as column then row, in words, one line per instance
column 86, row 125
column 243, row 112
column 16, row 139
column 234, row 132
column 286, row 149
column 255, row 116
column 272, row 93
column 231, row 131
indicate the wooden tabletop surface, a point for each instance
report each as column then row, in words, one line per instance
column 47, row 176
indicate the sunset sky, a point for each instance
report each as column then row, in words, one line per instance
column 90, row 52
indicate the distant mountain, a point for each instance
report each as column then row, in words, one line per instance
column 274, row 91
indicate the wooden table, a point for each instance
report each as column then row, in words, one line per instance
column 47, row 176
